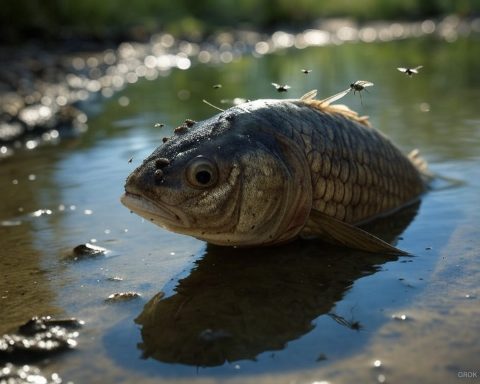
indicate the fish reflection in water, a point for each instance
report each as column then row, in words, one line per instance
column 236, row 304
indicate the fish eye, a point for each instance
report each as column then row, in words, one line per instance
column 201, row 172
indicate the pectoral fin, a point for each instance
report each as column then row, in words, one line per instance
column 341, row 233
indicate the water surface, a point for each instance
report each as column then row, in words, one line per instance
column 301, row 313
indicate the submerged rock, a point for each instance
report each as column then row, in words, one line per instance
column 39, row 337
column 87, row 250
column 26, row 374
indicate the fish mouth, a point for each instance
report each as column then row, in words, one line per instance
column 157, row 212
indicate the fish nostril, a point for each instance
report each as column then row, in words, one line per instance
column 189, row 122
column 161, row 162
column 181, row 129
column 158, row 175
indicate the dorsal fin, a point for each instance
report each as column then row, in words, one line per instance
column 339, row 109
column 324, row 105
column 309, row 95
column 329, row 100
column 421, row 164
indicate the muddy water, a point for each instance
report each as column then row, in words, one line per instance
column 300, row 313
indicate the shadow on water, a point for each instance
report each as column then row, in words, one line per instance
column 236, row 304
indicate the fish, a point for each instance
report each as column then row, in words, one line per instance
column 269, row 171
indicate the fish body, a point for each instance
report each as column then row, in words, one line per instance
column 268, row 171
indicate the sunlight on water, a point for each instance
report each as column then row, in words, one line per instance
column 299, row 313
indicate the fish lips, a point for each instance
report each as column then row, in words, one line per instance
column 157, row 212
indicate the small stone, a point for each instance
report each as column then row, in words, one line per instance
column 122, row 296
column 88, row 250
column 115, row 278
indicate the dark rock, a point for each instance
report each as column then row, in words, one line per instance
column 38, row 338
column 26, row 374
column 87, row 250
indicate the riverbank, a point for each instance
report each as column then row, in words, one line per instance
column 47, row 93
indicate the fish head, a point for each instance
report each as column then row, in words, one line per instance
column 225, row 181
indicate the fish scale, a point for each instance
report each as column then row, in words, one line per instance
column 379, row 177
column 357, row 182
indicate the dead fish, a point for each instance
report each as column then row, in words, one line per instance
column 281, row 88
column 410, row 71
column 269, row 171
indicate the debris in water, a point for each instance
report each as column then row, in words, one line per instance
column 321, row 357
column 159, row 125
column 115, row 278
column 306, row 71
column 217, row 86
column 122, row 296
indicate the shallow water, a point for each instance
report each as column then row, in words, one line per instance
column 300, row 313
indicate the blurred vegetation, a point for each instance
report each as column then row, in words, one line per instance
column 120, row 19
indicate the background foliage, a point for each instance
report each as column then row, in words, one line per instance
column 64, row 19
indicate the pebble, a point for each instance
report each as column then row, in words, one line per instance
column 122, row 296
column 87, row 250
column 40, row 337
